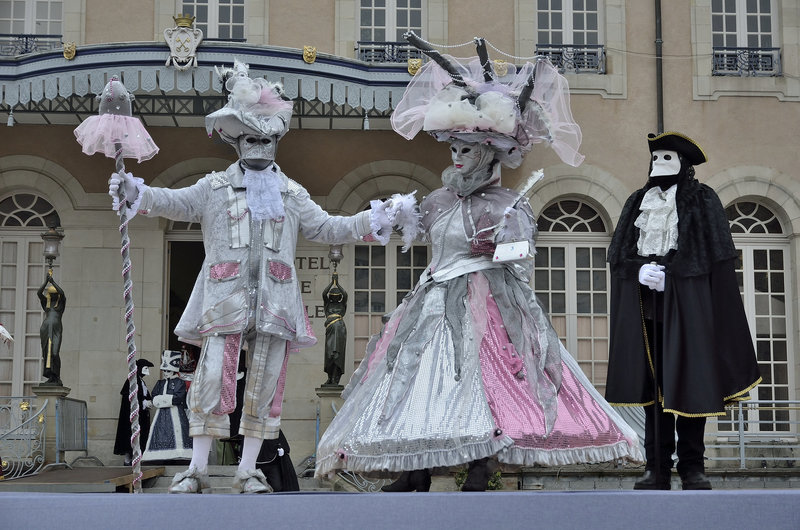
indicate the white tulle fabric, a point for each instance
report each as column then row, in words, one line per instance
column 488, row 112
column 115, row 135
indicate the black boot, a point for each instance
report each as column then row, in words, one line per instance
column 417, row 480
column 695, row 480
column 477, row 476
column 651, row 481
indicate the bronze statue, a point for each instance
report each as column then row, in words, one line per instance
column 335, row 303
column 53, row 301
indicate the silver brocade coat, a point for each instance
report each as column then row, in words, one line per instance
column 229, row 284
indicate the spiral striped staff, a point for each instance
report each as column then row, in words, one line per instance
column 118, row 135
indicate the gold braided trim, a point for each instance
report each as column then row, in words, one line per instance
column 695, row 415
column 334, row 321
column 647, row 347
column 632, row 404
column 738, row 395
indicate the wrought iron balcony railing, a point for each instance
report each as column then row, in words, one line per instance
column 747, row 61
column 22, row 436
column 12, row 44
column 386, row 52
column 587, row 58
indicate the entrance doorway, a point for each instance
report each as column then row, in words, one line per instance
column 184, row 261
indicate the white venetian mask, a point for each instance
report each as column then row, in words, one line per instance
column 665, row 163
column 466, row 156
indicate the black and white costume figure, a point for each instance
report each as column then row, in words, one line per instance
column 672, row 264
column 122, row 443
column 247, row 292
column 169, row 433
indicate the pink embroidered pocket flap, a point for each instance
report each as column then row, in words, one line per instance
column 224, row 270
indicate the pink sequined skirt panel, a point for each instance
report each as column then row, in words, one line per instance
column 581, row 421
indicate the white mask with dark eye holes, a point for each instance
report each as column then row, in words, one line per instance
column 145, row 370
column 257, row 152
column 466, row 156
column 665, row 163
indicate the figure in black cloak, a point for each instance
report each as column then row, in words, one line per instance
column 673, row 277
column 53, row 301
column 335, row 303
column 169, row 434
column 122, row 445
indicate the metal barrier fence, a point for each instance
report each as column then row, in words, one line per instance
column 22, row 436
column 72, row 427
column 763, row 433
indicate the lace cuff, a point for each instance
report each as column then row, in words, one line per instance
column 132, row 208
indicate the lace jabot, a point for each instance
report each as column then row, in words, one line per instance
column 657, row 222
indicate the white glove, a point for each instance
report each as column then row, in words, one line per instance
column 127, row 180
column 146, row 403
column 162, row 401
column 652, row 276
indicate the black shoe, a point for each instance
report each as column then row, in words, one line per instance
column 651, row 481
column 417, row 480
column 477, row 476
column 695, row 480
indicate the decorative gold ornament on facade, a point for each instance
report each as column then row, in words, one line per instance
column 309, row 54
column 414, row 65
column 70, row 49
column 500, row 67
column 184, row 21
column 183, row 41
column 24, row 405
column 41, row 418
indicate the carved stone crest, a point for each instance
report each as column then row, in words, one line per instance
column 183, row 41
column 309, row 54
column 414, row 65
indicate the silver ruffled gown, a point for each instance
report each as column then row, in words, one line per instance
column 469, row 366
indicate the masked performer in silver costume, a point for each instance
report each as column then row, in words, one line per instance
column 247, row 291
column 468, row 367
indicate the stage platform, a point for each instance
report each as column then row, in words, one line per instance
column 758, row 509
column 80, row 480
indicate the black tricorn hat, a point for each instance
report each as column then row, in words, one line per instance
column 682, row 144
column 141, row 363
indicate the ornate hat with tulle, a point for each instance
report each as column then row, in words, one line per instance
column 466, row 99
column 255, row 106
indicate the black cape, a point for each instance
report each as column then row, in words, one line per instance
column 122, row 443
column 708, row 355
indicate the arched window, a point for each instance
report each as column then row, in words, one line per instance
column 763, row 270
column 23, row 216
column 571, row 279
column 27, row 210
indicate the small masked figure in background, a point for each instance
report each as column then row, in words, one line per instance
column 673, row 277
column 169, row 432
column 122, row 443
